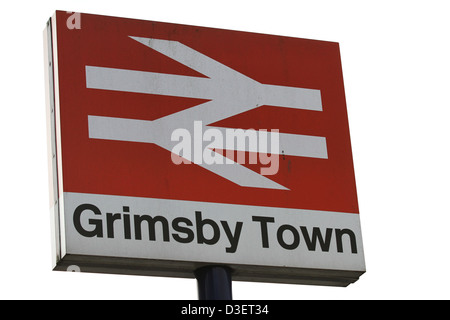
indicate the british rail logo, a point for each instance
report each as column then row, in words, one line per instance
column 184, row 133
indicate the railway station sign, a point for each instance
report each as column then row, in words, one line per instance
column 173, row 147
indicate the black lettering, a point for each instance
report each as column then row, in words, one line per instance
column 295, row 234
column 110, row 218
column 234, row 239
column 263, row 221
column 339, row 234
column 126, row 226
column 311, row 242
column 151, row 227
column 98, row 230
column 126, row 223
column 200, row 224
column 177, row 227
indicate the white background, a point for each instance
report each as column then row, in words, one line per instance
column 396, row 63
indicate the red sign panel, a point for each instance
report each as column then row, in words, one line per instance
column 101, row 165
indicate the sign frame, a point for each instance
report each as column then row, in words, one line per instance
column 330, row 273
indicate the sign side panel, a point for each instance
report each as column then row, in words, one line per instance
column 59, row 158
column 54, row 140
column 51, row 142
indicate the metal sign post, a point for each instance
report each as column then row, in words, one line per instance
column 214, row 283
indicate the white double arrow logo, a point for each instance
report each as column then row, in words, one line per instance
column 229, row 93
